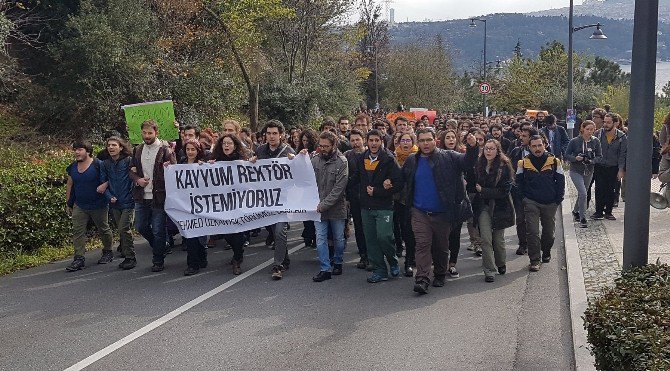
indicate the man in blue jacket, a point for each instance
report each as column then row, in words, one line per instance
column 119, row 193
column 540, row 180
column 556, row 136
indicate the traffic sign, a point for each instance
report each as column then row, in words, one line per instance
column 484, row 88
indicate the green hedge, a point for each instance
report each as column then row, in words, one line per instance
column 32, row 198
column 629, row 325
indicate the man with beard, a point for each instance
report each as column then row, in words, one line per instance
column 331, row 171
column 434, row 179
column 497, row 134
column 274, row 148
column 539, row 120
column 516, row 155
column 149, row 194
column 610, row 168
column 556, row 136
column 541, row 183
column 84, row 202
column 357, row 139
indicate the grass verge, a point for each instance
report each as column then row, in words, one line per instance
column 18, row 260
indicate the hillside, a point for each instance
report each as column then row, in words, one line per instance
column 504, row 30
column 615, row 9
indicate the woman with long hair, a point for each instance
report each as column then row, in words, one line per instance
column 294, row 137
column 449, row 141
column 230, row 148
column 405, row 145
column 492, row 206
column 582, row 153
column 196, row 254
column 309, row 139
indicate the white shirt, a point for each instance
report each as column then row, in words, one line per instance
column 149, row 153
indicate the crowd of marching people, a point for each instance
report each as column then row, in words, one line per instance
column 406, row 187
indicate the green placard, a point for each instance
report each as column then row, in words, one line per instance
column 162, row 112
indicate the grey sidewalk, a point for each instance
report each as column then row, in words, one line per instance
column 594, row 257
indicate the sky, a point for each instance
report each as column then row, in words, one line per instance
column 437, row 10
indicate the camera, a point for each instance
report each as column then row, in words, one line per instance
column 587, row 157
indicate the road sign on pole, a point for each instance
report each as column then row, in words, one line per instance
column 484, row 88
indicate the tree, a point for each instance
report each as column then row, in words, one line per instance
column 373, row 46
column 242, row 24
column 420, row 76
column 604, row 72
column 294, row 40
column 517, row 88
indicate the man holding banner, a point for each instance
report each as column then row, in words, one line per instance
column 274, row 148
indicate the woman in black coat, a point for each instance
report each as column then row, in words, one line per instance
column 493, row 206
column 230, row 148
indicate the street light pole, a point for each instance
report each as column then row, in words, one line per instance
column 472, row 24
column 638, row 158
column 571, row 77
column 597, row 35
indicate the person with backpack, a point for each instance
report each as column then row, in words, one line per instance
column 149, row 191
column 541, row 183
column 119, row 193
column 84, row 202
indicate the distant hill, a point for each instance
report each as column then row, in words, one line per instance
column 533, row 32
column 615, row 9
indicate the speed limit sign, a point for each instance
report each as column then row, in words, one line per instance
column 484, row 88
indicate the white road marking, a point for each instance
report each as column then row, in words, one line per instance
column 149, row 276
column 168, row 317
column 189, row 277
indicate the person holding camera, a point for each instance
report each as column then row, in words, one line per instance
column 582, row 152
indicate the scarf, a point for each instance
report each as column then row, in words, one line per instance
column 401, row 155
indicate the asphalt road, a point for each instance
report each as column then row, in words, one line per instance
column 52, row 320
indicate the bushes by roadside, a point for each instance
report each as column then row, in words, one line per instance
column 629, row 325
column 32, row 198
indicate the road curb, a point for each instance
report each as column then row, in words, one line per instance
column 576, row 289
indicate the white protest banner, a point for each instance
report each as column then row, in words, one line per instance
column 237, row 196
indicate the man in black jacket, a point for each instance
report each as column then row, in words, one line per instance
column 274, row 148
column 515, row 156
column 373, row 167
column 357, row 139
column 435, row 187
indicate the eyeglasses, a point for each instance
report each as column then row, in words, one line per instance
column 405, row 141
column 426, row 140
column 490, row 149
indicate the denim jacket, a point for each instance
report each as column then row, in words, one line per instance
column 120, row 185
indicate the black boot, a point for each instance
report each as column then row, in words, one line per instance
column 337, row 269
column 363, row 263
column 322, row 276
column 77, row 264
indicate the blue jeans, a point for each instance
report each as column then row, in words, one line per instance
column 581, row 183
column 150, row 222
column 337, row 228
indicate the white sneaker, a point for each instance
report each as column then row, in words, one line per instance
column 453, row 272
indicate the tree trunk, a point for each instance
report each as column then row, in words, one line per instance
column 253, row 108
